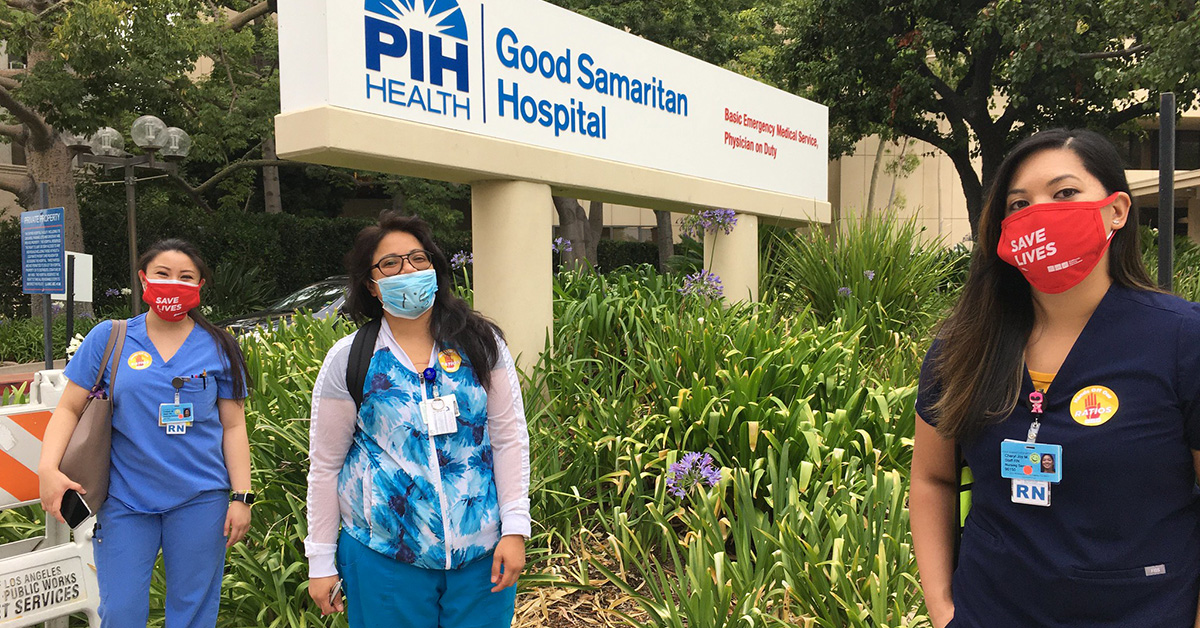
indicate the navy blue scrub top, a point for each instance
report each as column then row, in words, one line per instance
column 1119, row 546
column 153, row 471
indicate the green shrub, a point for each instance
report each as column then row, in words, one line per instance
column 236, row 289
column 22, row 340
column 614, row 254
column 1187, row 263
column 13, row 304
column 878, row 275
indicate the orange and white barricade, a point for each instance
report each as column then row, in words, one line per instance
column 47, row 578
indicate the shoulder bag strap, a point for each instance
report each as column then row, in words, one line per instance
column 113, row 334
column 118, row 328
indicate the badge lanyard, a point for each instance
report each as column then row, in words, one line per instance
column 177, row 417
column 1025, row 463
column 439, row 412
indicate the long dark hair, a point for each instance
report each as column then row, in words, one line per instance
column 982, row 355
column 453, row 322
column 230, row 350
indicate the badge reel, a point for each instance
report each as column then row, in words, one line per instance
column 1032, row 466
column 441, row 412
column 175, row 417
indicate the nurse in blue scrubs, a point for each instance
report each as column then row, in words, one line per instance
column 1061, row 346
column 170, row 480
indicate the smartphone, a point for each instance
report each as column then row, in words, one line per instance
column 335, row 592
column 74, row 509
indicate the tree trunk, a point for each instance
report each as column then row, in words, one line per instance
column 52, row 164
column 595, row 228
column 664, row 237
column 874, row 176
column 972, row 188
column 898, row 173
column 576, row 226
column 271, row 198
column 48, row 160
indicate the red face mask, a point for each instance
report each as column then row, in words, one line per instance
column 171, row 300
column 1055, row 245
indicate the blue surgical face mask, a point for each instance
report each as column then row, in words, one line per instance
column 408, row 296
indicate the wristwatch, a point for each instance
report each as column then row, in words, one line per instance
column 246, row 498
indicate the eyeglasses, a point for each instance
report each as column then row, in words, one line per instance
column 391, row 265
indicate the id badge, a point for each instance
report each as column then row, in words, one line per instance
column 1039, row 462
column 175, row 414
column 1031, row 492
column 440, row 415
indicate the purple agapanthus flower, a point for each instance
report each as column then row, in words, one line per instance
column 869, row 274
column 708, row 221
column 703, row 283
column 112, row 292
column 844, row 291
column 690, row 472
column 460, row 259
column 562, row 245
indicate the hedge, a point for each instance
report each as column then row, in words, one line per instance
column 291, row 250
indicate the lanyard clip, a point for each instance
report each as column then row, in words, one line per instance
column 1036, row 398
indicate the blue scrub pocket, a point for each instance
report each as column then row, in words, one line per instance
column 1150, row 573
column 1096, row 597
column 202, row 397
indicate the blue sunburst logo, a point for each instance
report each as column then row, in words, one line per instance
column 446, row 14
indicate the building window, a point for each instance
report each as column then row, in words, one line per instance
column 1140, row 150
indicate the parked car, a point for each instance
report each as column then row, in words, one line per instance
column 323, row 299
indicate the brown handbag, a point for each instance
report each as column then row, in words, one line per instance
column 86, row 459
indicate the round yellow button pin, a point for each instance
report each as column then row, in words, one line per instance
column 1094, row 405
column 450, row 360
column 140, row 360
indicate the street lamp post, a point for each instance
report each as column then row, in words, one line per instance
column 107, row 148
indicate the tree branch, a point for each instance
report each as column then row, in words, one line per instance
column 14, row 184
column 38, row 129
column 197, row 198
column 234, row 167
column 53, row 7
column 952, row 103
column 239, row 21
column 14, row 131
column 1113, row 54
column 1132, row 112
column 9, row 83
column 24, row 5
column 6, row 73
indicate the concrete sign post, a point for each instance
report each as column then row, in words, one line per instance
column 476, row 91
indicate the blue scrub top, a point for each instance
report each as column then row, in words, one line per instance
column 1120, row 544
column 152, row 471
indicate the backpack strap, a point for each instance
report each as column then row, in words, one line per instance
column 361, row 352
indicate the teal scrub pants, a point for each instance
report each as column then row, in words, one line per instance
column 192, row 539
column 382, row 591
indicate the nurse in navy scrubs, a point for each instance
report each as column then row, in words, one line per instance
column 1061, row 345
column 170, row 481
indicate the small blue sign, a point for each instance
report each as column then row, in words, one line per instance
column 43, row 251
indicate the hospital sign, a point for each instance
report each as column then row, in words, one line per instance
column 529, row 72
